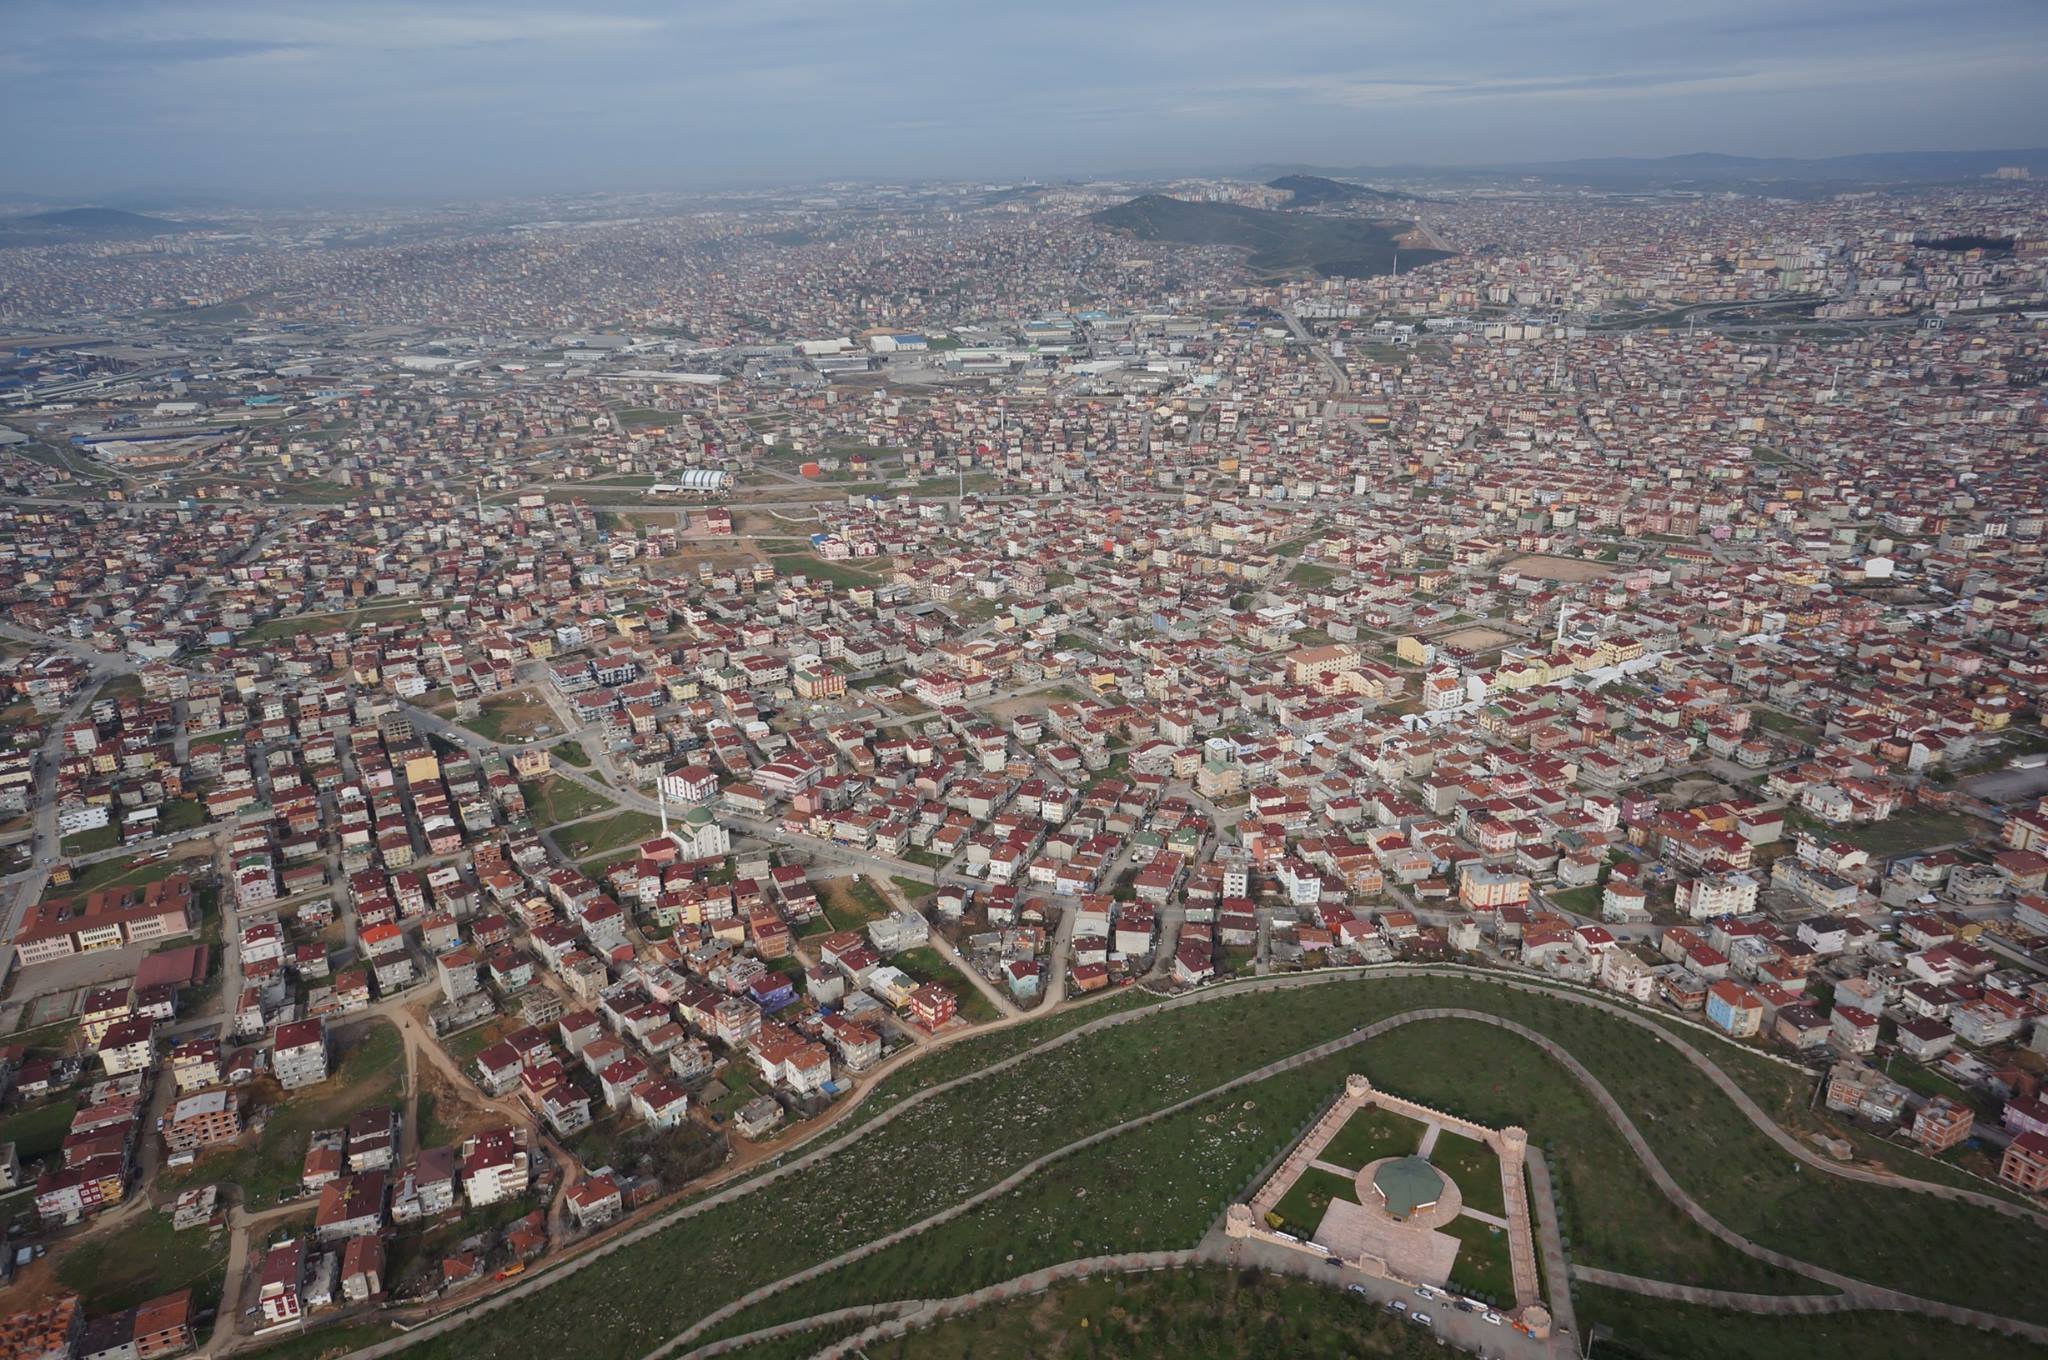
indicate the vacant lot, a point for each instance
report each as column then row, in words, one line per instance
column 1548, row 568
column 1475, row 639
column 39, row 1130
column 852, row 903
column 278, row 630
column 520, row 715
column 552, row 801
column 928, row 965
column 145, row 1259
column 594, row 840
column 870, row 571
column 367, row 1068
column 125, row 872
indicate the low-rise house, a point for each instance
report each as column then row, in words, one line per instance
column 494, row 1167
column 283, row 1276
column 298, row 1055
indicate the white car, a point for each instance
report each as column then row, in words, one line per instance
column 1399, row 1305
column 1421, row 1319
column 1492, row 1319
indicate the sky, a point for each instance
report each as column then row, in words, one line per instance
column 439, row 99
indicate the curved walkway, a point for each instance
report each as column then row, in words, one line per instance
column 533, row 1282
column 1793, row 1146
column 892, row 1320
column 1785, row 1305
column 1867, row 1295
column 1853, row 1293
column 1023, row 1173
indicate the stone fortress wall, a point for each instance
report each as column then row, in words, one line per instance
column 1248, row 1220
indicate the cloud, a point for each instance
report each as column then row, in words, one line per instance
column 369, row 92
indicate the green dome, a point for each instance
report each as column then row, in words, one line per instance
column 1407, row 1184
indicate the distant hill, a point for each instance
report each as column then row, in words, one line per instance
column 69, row 225
column 1316, row 191
column 1704, row 171
column 1279, row 242
column 1711, row 168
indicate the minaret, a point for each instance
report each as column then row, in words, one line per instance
column 661, row 801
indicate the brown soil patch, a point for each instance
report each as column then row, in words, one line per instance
column 1548, row 568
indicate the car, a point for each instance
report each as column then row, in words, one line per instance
column 1490, row 1318
column 1399, row 1305
column 1423, row 1291
column 1354, row 1289
column 1421, row 1319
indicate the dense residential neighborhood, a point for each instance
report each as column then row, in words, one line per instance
column 473, row 779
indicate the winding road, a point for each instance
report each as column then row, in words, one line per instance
column 1856, row 1293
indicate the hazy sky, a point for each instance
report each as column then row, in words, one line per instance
column 437, row 98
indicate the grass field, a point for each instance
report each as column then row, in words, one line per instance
column 123, row 872
column 928, row 965
column 1770, row 720
column 1614, row 1216
column 1185, row 1315
column 1653, row 1329
column 1584, row 901
column 1056, row 1215
column 839, row 573
column 91, row 842
column 145, row 1259
column 594, row 840
column 325, row 1342
column 1184, row 1168
column 554, row 800
column 1370, row 1134
column 39, row 1130
column 1482, row 1268
column 1301, row 1208
column 1476, row 1169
